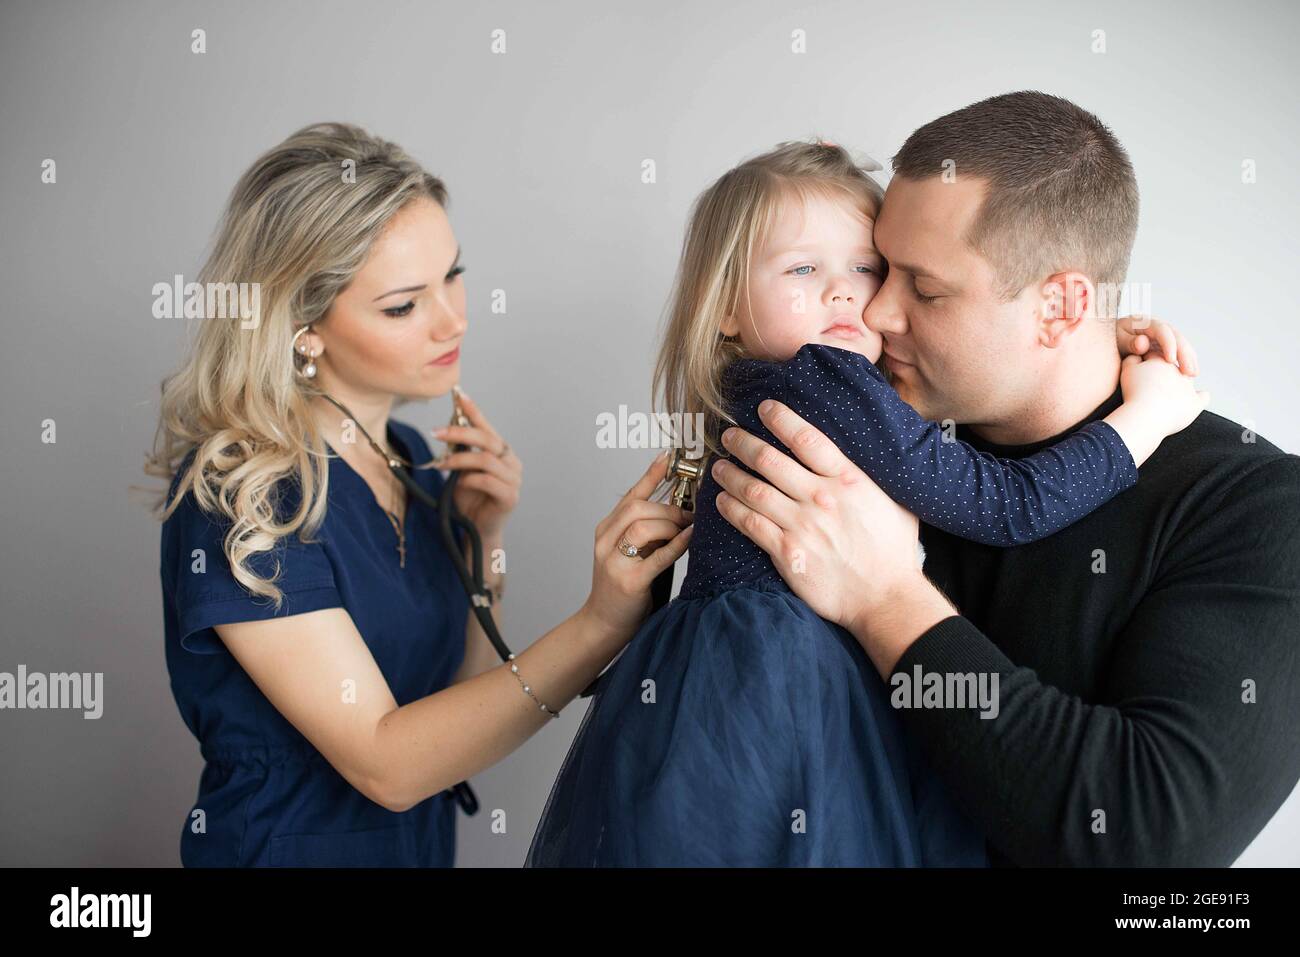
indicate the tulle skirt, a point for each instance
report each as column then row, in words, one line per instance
column 741, row 729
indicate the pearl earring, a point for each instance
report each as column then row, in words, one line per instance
column 309, row 370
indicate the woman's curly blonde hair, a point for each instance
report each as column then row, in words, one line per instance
column 300, row 222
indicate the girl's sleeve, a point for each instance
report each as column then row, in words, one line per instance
column 945, row 482
column 206, row 592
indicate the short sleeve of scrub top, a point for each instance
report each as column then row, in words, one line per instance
column 207, row 592
column 266, row 796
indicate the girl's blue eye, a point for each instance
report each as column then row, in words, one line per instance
column 869, row 269
column 398, row 311
column 796, row 271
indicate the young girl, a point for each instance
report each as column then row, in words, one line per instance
column 738, row 727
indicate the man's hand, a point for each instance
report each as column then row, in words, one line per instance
column 841, row 544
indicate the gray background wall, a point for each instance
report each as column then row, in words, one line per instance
column 542, row 149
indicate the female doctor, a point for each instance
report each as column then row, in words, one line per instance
column 318, row 639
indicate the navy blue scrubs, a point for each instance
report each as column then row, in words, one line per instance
column 267, row 796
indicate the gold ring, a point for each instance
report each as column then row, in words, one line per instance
column 627, row 548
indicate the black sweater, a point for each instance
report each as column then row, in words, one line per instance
column 1128, row 690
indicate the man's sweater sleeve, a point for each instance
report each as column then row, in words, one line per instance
column 1195, row 740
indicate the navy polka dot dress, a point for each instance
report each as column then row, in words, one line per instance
column 740, row 729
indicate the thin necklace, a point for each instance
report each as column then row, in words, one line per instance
column 393, row 459
column 397, row 526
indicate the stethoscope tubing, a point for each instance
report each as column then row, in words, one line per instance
column 470, row 572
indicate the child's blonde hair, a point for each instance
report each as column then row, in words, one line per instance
column 730, row 222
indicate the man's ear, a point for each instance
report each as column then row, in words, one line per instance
column 1066, row 300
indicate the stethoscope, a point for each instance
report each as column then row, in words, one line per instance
column 684, row 474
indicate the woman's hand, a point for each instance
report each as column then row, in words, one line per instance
column 489, row 490
column 620, row 586
column 1138, row 335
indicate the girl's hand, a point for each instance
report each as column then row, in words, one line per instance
column 1159, row 400
column 1138, row 335
column 620, row 586
column 1167, row 397
column 489, row 490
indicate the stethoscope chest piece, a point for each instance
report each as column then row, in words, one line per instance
column 685, row 474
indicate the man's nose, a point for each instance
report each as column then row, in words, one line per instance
column 884, row 314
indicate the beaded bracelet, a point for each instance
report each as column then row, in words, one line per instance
column 514, row 669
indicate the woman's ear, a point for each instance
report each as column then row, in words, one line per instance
column 310, row 345
column 730, row 326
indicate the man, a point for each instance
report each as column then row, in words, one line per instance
column 1145, row 658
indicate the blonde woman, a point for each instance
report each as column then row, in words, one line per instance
column 317, row 636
